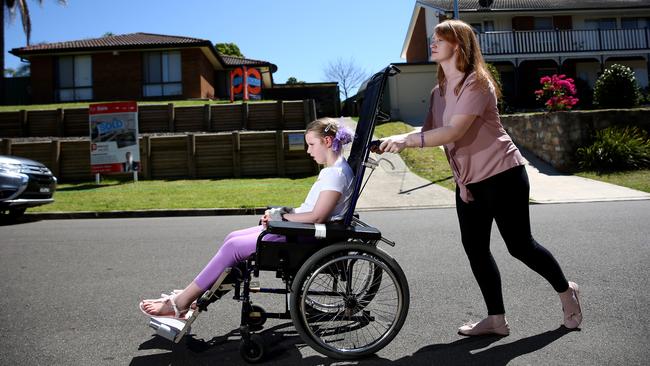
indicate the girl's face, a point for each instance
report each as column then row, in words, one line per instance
column 317, row 147
column 441, row 50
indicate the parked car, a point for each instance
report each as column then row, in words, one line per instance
column 24, row 183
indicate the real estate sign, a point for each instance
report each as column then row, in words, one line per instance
column 114, row 144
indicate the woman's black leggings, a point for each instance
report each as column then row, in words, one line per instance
column 504, row 198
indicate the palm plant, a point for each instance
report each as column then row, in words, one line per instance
column 12, row 6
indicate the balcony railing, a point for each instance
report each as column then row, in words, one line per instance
column 561, row 41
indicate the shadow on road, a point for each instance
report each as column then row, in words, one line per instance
column 468, row 351
column 283, row 347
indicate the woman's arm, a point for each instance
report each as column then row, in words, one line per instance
column 322, row 210
column 456, row 129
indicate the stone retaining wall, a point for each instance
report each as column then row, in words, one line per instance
column 555, row 137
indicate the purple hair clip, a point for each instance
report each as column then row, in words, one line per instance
column 344, row 135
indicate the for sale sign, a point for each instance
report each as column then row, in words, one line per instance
column 114, row 144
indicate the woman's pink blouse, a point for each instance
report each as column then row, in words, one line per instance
column 485, row 149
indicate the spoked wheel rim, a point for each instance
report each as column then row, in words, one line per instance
column 365, row 292
column 354, row 322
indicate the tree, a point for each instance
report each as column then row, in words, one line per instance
column 347, row 74
column 21, row 6
column 22, row 70
column 228, row 49
column 293, row 80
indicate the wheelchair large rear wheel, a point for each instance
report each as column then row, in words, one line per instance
column 368, row 282
column 361, row 317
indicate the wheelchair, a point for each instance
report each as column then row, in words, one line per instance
column 346, row 297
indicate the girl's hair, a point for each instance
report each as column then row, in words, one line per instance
column 469, row 57
column 326, row 126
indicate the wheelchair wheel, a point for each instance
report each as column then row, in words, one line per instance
column 365, row 290
column 355, row 317
column 253, row 350
column 256, row 317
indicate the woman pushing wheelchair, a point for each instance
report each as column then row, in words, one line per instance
column 491, row 181
column 327, row 200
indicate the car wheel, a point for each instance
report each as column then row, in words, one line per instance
column 15, row 213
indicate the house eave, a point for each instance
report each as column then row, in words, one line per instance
column 206, row 47
column 409, row 33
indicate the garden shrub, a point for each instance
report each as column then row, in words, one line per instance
column 557, row 92
column 501, row 103
column 616, row 149
column 616, row 88
column 585, row 93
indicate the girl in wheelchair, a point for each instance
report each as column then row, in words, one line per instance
column 328, row 200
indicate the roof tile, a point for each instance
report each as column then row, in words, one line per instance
column 539, row 4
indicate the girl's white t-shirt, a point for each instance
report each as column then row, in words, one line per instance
column 339, row 178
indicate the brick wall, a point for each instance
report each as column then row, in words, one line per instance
column 197, row 74
column 117, row 77
column 42, row 79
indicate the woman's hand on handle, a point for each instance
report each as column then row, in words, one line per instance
column 393, row 144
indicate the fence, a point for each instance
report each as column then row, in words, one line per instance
column 206, row 155
column 70, row 122
column 554, row 41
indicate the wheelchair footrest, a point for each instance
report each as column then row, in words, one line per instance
column 169, row 328
column 174, row 329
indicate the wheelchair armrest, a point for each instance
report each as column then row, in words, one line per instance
column 332, row 230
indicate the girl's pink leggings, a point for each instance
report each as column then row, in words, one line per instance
column 237, row 247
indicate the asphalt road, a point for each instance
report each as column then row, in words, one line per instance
column 70, row 289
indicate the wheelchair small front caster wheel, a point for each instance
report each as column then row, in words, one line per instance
column 256, row 317
column 253, row 350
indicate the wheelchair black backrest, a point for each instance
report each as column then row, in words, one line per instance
column 368, row 115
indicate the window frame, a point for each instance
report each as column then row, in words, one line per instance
column 162, row 75
column 77, row 89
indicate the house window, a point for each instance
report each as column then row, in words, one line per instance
column 485, row 26
column 543, row 23
column 601, row 23
column 74, row 79
column 634, row 23
column 162, row 74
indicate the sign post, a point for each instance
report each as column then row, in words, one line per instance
column 114, row 146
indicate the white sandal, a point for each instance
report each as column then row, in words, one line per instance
column 178, row 314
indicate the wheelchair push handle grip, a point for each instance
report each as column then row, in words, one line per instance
column 374, row 145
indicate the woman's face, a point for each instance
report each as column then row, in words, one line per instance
column 441, row 50
column 317, row 147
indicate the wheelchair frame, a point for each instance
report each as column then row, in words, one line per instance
column 315, row 271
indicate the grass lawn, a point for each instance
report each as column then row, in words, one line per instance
column 636, row 179
column 114, row 194
column 429, row 163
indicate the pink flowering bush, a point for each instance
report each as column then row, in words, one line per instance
column 558, row 91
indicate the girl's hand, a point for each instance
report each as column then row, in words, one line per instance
column 393, row 144
column 265, row 219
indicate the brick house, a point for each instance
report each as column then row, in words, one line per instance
column 139, row 66
column 527, row 39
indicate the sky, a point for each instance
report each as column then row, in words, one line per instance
column 299, row 36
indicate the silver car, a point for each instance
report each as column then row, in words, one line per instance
column 24, row 183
